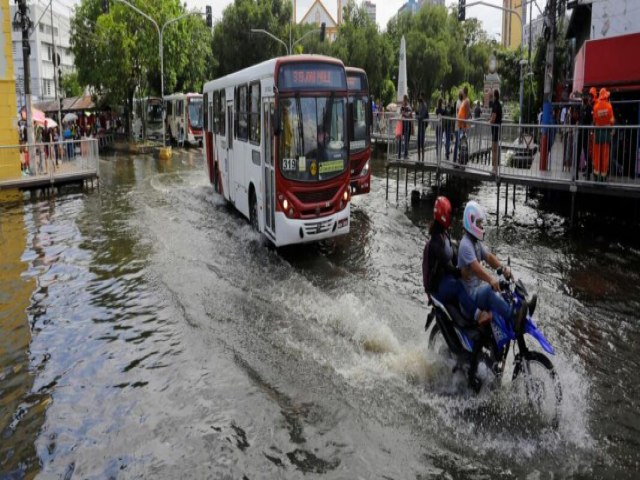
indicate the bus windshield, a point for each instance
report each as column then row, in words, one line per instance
column 313, row 140
column 360, row 138
column 195, row 113
column 154, row 112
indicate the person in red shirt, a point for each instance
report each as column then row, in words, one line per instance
column 602, row 117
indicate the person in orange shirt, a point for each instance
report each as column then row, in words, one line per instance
column 602, row 117
column 464, row 113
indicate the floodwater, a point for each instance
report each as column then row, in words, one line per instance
column 146, row 331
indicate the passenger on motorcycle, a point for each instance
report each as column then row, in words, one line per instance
column 482, row 286
column 442, row 277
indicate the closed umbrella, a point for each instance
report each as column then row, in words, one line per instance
column 70, row 117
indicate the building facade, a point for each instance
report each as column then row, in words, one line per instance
column 370, row 8
column 42, row 41
column 511, row 25
column 318, row 14
column 533, row 31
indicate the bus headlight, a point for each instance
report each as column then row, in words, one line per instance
column 285, row 205
column 345, row 195
column 365, row 169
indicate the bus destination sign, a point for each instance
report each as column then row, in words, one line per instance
column 309, row 76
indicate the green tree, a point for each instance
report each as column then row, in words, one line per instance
column 360, row 44
column 116, row 53
column 70, row 86
column 236, row 47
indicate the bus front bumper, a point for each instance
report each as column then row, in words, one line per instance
column 295, row 230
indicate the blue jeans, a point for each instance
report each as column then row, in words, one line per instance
column 487, row 299
column 451, row 290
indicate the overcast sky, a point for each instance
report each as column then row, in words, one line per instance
column 491, row 18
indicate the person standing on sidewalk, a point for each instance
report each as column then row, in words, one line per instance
column 440, row 112
column 602, row 117
column 464, row 114
column 496, row 122
column 407, row 114
column 423, row 114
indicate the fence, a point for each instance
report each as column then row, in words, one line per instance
column 52, row 161
column 570, row 154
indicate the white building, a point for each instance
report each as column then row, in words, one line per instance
column 318, row 14
column 370, row 8
column 41, row 66
column 536, row 27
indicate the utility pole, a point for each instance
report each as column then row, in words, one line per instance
column 24, row 22
column 547, row 109
column 56, row 67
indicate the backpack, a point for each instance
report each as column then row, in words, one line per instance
column 427, row 270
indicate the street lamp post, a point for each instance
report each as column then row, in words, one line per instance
column 260, row 30
column 160, row 31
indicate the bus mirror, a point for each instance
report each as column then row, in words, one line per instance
column 277, row 127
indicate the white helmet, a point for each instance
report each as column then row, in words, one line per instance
column 474, row 214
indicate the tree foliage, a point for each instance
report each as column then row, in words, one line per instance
column 117, row 53
column 360, row 44
column 70, row 86
column 236, row 47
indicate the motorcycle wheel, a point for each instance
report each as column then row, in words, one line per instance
column 437, row 343
column 537, row 377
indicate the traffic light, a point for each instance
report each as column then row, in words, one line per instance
column 323, row 29
column 461, row 10
column 209, row 17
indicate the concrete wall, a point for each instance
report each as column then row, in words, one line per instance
column 9, row 160
column 611, row 18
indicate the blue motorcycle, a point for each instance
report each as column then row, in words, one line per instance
column 533, row 372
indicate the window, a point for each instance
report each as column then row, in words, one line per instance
column 42, row 27
column 170, row 107
column 221, row 112
column 242, row 117
column 254, row 108
column 179, row 108
column 207, row 109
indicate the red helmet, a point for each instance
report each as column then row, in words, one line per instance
column 442, row 211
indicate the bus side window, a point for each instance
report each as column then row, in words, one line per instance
column 242, row 131
column 254, row 122
column 221, row 112
column 169, row 108
column 207, row 110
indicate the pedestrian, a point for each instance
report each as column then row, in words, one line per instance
column 407, row 114
column 464, row 114
column 449, row 124
column 423, row 115
column 440, row 112
column 602, row 117
column 477, row 113
column 496, row 122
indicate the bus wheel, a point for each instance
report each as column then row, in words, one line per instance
column 253, row 210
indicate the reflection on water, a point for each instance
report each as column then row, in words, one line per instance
column 21, row 407
column 147, row 332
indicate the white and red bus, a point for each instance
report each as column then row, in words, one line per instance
column 184, row 117
column 359, row 130
column 276, row 142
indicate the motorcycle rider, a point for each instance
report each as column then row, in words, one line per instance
column 442, row 277
column 481, row 285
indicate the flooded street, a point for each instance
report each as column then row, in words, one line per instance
column 147, row 331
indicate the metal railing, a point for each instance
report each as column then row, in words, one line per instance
column 51, row 160
column 552, row 153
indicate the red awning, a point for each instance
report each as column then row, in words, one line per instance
column 609, row 62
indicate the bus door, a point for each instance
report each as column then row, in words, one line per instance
column 228, row 161
column 269, row 166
